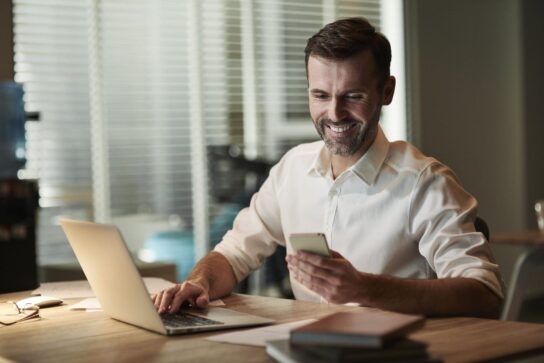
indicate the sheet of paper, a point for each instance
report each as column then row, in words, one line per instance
column 86, row 304
column 82, row 289
column 217, row 302
column 259, row 336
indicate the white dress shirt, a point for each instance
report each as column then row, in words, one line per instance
column 395, row 212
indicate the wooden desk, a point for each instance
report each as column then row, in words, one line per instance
column 66, row 336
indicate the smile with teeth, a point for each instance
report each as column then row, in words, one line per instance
column 341, row 129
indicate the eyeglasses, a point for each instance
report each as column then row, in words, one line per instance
column 11, row 313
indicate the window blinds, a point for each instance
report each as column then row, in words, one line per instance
column 152, row 86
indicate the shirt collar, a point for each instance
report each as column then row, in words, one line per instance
column 367, row 167
column 322, row 162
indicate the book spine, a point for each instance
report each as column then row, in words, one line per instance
column 336, row 340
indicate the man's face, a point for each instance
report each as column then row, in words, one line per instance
column 345, row 100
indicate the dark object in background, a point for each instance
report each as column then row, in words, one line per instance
column 18, row 207
column 234, row 178
column 12, row 129
column 234, row 181
column 18, row 198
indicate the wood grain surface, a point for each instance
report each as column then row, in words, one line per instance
column 67, row 336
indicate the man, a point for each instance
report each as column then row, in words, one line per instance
column 400, row 225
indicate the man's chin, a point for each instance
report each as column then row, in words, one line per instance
column 340, row 149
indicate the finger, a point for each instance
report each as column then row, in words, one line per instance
column 187, row 292
column 329, row 277
column 167, row 297
column 336, row 254
column 313, row 270
column 317, row 260
column 157, row 301
column 182, row 295
column 203, row 300
column 304, row 277
column 312, row 282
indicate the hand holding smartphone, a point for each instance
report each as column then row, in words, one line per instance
column 310, row 242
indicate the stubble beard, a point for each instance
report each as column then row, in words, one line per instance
column 342, row 147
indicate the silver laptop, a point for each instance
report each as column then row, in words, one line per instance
column 115, row 280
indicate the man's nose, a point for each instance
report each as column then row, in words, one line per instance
column 336, row 110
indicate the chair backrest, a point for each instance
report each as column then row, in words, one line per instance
column 527, row 266
column 481, row 226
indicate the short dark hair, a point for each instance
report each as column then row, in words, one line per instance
column 345, row 38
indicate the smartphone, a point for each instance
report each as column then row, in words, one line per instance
column 310, row 242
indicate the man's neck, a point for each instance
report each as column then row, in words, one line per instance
column 340, row 163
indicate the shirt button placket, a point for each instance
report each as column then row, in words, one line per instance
column 331, row 212
column 333, row 202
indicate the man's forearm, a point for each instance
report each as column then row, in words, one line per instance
column 215, row 273
column 440, row 297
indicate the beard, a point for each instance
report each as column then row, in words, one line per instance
column 343, row 145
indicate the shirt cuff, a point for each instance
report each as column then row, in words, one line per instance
column 233, row 257
column 488, row 278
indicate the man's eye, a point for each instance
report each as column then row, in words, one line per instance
column 354, row 97
column 320, row 96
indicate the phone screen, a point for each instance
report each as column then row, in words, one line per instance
column 310, row 242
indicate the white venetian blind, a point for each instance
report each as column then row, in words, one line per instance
column 144, row 62
column 156, row 87
column 51, row 61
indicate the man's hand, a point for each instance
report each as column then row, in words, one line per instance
column 334, row 278
column 171, row 299
column 211, row 278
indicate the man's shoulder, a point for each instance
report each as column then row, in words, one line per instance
column 303, row 153
column 298, row 159
column 405, row 157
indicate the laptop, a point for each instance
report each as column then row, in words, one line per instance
column 114, row 278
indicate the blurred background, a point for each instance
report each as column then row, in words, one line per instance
column 163, row 117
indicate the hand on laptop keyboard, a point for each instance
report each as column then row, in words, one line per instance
column 170, row 300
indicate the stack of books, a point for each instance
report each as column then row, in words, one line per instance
column 354, row 337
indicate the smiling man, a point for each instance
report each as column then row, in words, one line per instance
column 399, row 223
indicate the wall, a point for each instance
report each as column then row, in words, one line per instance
column 476, row 91
column 533, row 105
column 6, row 40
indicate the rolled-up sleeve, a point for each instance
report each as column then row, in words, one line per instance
column 441, row 218
column 256, row 231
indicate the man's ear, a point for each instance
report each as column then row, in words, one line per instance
column 389, row 90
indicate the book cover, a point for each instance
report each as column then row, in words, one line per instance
column 357, row 329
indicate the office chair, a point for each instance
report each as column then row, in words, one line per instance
column 481, row 226
column 526, row 267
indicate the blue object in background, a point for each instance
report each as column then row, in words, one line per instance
column 12, row 129
column 178, row 246
column 173, row 246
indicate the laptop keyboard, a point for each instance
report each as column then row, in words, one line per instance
column 185, row 319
